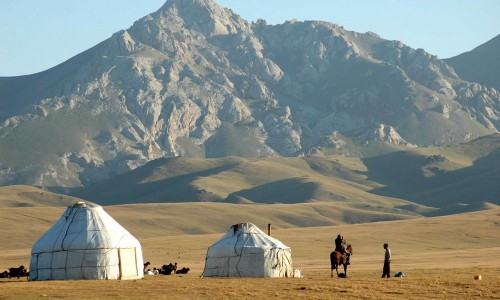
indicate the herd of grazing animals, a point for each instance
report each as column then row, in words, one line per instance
column 15, row 272
column 169, row 269
column 165, row 269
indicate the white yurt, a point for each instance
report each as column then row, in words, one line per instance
column 86, row 243
column 246, row 251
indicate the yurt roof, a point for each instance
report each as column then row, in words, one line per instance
column 248, row 235
column 84, row 225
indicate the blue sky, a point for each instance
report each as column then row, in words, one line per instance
column 36, row 35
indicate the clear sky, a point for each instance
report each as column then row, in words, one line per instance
column 38, row 34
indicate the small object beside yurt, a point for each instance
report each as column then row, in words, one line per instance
column 86, row 243
column 246, row 251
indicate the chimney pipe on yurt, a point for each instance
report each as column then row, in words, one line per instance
column 269, row 229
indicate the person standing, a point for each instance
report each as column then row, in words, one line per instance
column 387, row 262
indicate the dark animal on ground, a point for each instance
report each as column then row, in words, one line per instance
column 146, row 265
column 168, row 269
column 4, row 274
column 182, row 271
column 17, row 272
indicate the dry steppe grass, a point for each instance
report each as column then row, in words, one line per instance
column 439, row 255
column 418, row 284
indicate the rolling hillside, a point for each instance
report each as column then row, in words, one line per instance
column 26, row 213
column 27, row 196
column 182, row 232
column 424, row 181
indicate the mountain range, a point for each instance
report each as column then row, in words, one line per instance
column 195, row 80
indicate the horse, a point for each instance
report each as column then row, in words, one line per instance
column 337, row 259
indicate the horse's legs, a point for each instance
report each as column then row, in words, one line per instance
column 334, row 264
column 336, row 269
column 345, row 270
column 331, row 265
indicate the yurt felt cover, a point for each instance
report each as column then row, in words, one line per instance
column 246, row 251
column 86, row 243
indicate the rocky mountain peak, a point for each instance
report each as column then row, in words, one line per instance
column 183, row 5
column 204, row 16
column 194, row 79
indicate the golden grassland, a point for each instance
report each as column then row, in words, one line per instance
column 439, row 283
column 439, row 255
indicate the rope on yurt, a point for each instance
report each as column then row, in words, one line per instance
column 65, row 235
column 72, row 214
column 247, row 237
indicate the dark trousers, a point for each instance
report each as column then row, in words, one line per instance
column 387, row 269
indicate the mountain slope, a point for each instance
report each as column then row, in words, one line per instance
column 26, row 213
column 481, row 65
column 194, row 79
column 240, row 180
column 420, row 181
column 454, row 179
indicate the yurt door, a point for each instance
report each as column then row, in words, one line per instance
column 128, row 262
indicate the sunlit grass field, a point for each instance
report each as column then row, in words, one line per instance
column 442, row 283
column 439, row 255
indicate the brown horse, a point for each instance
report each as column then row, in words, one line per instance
column 338, row 259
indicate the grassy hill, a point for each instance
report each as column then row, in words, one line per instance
column 26, row 212
column 183, row 231
column 439, row 255
column 424, row 181
column 335, row 180
column 27, row 196
column 308, row 200
column 453, row 179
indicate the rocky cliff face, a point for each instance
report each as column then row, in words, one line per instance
column 195, row 79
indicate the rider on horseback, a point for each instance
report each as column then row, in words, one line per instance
column 340, row 246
